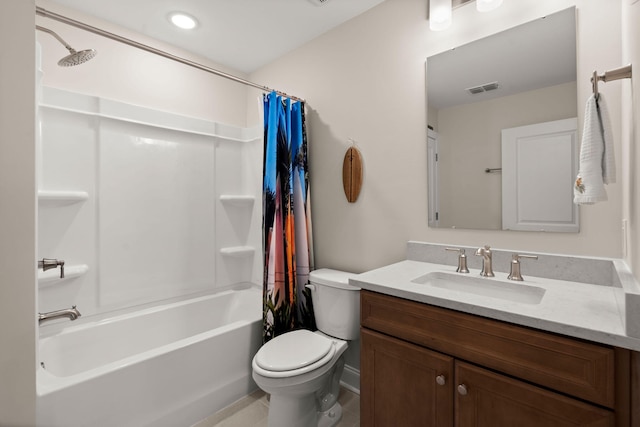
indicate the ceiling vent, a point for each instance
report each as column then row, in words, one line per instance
column 482, row 88
column 318, row 2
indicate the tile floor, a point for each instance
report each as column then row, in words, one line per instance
column 252, row 410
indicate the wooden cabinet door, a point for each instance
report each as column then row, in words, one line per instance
column 402, row 384
column 489, row 399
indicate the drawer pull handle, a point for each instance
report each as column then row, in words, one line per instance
column 462, row 390
column 440, row 380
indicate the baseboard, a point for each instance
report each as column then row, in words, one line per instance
column 350, row 379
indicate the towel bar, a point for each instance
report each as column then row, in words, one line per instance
column 618, row 73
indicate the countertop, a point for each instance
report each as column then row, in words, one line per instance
column 581, row 310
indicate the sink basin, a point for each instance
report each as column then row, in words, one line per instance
column 483, row 286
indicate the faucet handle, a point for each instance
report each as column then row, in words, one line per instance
column 462, row 260
column 515, row 266
column 49, row 263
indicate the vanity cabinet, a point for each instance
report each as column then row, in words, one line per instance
column 429, row 366
column 402, row 384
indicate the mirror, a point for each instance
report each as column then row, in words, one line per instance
column 521, row 77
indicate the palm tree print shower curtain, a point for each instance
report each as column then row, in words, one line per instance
column 286, row 219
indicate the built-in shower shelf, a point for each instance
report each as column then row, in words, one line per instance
column 238, row 251
column 237, row 200
column 50, row 277
column 61, row 197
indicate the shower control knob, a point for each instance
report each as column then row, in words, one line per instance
column 49, row 263
column 440, row 380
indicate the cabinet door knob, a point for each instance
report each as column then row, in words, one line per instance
column 462, row 390
column 440, row 380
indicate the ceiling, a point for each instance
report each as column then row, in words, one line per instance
column 241, row 34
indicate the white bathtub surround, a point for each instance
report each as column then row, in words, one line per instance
column 70, row 272
column 155, row 217
column 61, row 197
column 144, row 202
column 599, row 304
column 170, row 365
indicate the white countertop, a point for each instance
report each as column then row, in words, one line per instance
column 574, row 309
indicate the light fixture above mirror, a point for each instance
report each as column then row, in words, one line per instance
column 441, row 11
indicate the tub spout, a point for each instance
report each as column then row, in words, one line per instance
column 70, row 313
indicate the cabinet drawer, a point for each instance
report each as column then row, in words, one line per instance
column 581, row 369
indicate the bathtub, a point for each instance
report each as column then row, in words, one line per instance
column 170, row 365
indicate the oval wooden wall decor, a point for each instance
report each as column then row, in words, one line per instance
column 352, row 174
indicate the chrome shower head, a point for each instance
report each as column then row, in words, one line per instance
column 74, row 57
column 77, row 58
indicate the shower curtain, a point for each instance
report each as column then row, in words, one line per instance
column 286, row 219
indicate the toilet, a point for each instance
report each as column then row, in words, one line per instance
column 301, row 369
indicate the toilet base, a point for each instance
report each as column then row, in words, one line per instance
column 330, row 417
column 292, row 411
column 301, row 412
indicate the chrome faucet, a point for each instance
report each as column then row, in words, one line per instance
column 485, row 253
column 70, row 313
column 47, row 264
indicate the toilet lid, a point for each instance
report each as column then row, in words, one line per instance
column 293, row 350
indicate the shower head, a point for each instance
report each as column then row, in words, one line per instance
column 77, row 58
column 74, row 57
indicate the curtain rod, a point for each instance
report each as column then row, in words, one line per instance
column 48, row 14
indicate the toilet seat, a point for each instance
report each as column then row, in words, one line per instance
column 293, row 353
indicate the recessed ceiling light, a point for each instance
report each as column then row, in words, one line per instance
column 182, row 20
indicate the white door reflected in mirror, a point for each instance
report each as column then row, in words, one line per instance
column 539, row 163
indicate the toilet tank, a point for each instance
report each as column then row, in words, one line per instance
column 336, row 304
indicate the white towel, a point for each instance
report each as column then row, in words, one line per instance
column 597, row 162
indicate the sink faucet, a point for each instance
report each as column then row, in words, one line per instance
column 71, row 313
column 485, row 253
